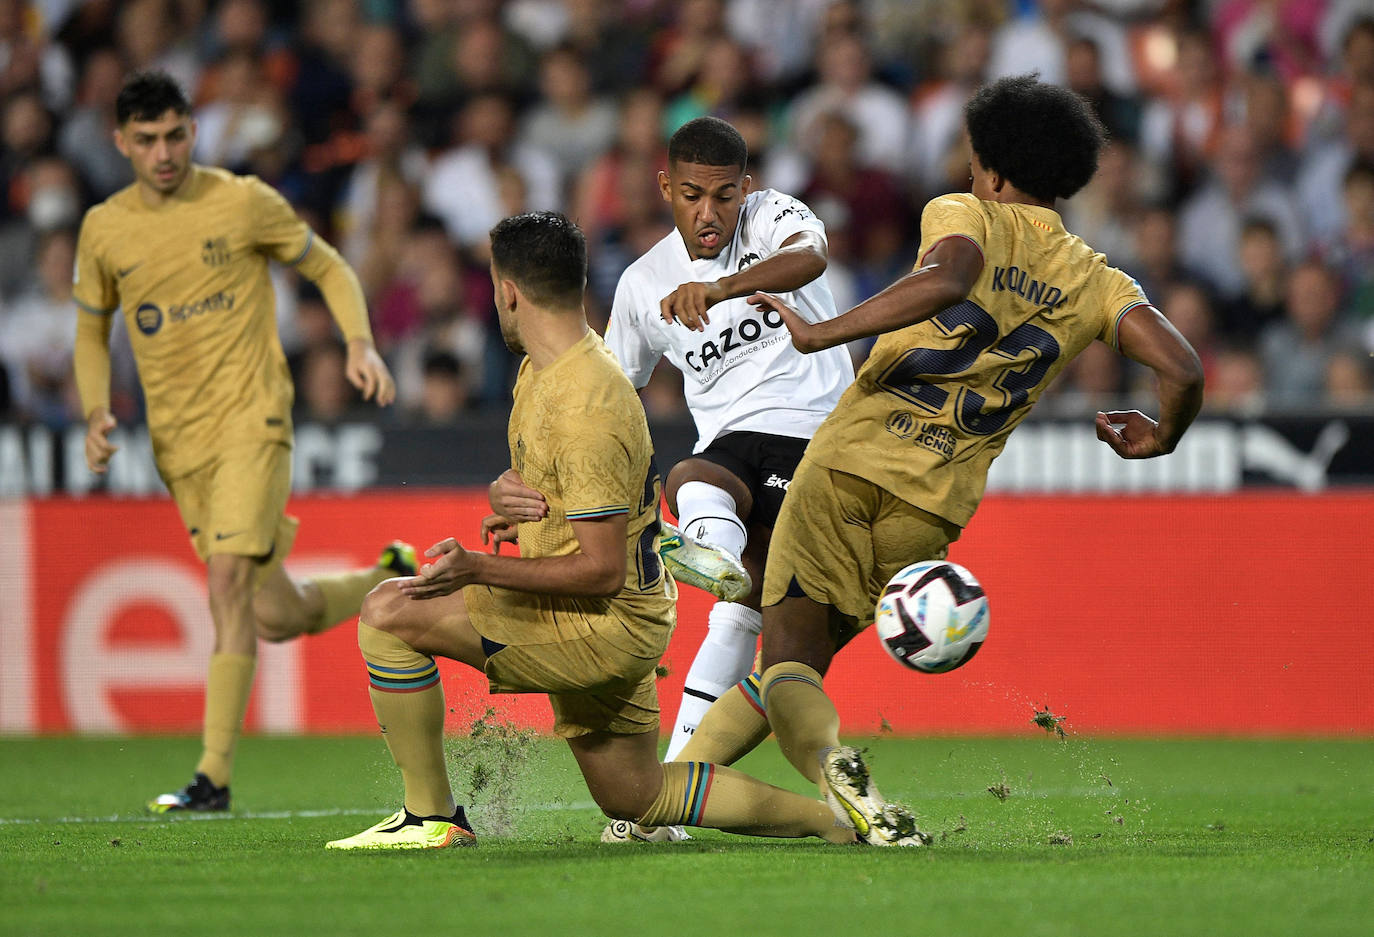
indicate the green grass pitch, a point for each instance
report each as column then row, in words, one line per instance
column 1034, row 835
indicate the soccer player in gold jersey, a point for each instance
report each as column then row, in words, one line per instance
column 183, row 252
column 583, row 613
column 1001, row 299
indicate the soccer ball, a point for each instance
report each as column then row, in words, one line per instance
column 932, row 617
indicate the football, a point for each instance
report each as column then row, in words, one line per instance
column 932, row 616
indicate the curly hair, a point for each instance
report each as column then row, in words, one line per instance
column 148, row 95
column 1041, row 138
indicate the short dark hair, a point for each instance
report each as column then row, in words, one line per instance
column 149, row 95
column 1041, row 138
column 708, row 141
column 545, row 254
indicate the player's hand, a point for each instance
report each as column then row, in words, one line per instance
column 1136, row 438
column 510, row 497
column 688, row 304
column 453, row 568
column 99, row 449
column 803, row 333
column 497, row 530
column 368, row 372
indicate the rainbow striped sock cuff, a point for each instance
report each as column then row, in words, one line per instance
column 791, row 672
column 749, row 686
column 700, row 774
column 403, row 679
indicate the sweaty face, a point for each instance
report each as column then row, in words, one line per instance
column 159, row 150
column 706, row 202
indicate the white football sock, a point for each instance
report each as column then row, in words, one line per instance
column 708, row 513
column 726, row 657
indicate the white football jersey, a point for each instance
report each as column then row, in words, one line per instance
column 742, row 372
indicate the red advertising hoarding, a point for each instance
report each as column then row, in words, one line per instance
column 1244, row 614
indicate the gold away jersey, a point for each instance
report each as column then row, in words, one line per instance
column 935, row 401
column 577, row 434
column 192, row 279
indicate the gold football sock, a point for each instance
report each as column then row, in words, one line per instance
column 802, row 716
column 732, row 728
column 227, row 688
column 409, row 703
column 699, row 794
column 343, row 594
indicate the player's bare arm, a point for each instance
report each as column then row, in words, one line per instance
column 950, row 270
column 367, row 372
column 511, row 498
column 801, row 259
column 498, row 529
column 1144, row 335
column 597, row 569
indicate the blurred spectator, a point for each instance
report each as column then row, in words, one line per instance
column 1038, row 42
column 1119, row 113
column 1269, row 117
column 28, row 61
column 242, row 26
column 868, row 219
column 1154, row 257
column 1349, row 383
column 86, row 139
column 378, row 248
column 1276, row 36
column 780, row 33
column 938, row 112
column 723, row 87
column 846, row 86
column 48, row 196
column 1298, row 349
column 1323, row 171
column 464, row 53
column 570, row 123
column 1349, row 34
column 245, row 118
column 1351, row 252
column 630, row 166
column 320, row 96
column 479, row 181
column 1179, row 130
column 1236, row 383
column 1210, row 221
column 444, row 389
column 36, row 334
column 156, row 34
column 677, row 52
column 393, row 166
column 1104, row 211
column 1260, row 301
column 612, row 44
column 323, row 393
column 1189, row 307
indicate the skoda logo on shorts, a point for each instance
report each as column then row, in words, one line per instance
column 901, row 423
column 149, row 319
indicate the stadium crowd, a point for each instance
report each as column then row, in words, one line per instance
column 1238, row 187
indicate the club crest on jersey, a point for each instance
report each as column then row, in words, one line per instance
column 215, row 252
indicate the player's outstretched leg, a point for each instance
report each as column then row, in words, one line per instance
column 703, row 565
column 286, row 608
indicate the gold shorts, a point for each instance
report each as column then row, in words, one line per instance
column 235, row 504
column 603, row 681
column 841, row 539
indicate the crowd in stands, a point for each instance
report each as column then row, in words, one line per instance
column 1238, row 187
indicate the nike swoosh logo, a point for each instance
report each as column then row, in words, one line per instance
column 128, row 270
column 234, row 533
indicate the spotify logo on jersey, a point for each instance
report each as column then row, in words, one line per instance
column 149, row 318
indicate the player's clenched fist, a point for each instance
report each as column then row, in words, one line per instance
column 99, row 449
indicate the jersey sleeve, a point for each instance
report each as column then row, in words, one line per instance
column 278, row 230
column 593, row 464
column 778, row 216
column 1123, row 295
column 952, row 216
column 93, row 286
column 625, row 334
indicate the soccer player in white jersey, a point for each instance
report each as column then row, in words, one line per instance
column 755, row 399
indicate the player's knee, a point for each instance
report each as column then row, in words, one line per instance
column 381, row 604
column 229, row 579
